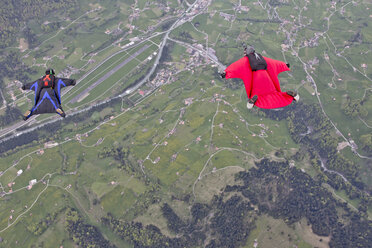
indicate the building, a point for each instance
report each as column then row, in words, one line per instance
column 33, row 182
column 50, row 144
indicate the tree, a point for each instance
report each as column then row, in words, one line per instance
column 354, row 108
column 366, row 142
column 84, row 235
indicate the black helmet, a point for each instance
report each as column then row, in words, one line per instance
column 49, row 71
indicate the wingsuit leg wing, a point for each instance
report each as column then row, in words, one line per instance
column 48, row 102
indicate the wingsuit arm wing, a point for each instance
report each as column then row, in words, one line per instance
column 274, row 67
column 241, row 69
column 64, row 82
column 29, row 85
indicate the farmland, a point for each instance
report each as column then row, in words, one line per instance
column 156, row 142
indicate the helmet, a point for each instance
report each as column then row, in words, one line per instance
column 49, row 71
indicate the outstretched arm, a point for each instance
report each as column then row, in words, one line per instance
column 63, row 82
column 276, row 66
column 28, row 86
column 60, row 83
column 241, row 69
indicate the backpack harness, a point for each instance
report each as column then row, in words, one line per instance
column 48, row 81
column 256, row 61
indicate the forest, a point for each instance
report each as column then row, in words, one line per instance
column 11, row 115
column 288, row 193
column 37, row 228
column 12, row 67
column 309, row 127
column 84, row 235
column 272, row 188
column 123, row 156
column 226, row 226
column 15, row 13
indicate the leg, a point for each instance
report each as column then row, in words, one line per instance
column 37, row 98
column 61, row 112
column 37, row 93
column 293, row 94
column 57, row 96
column 252, row 101
column 59, row 109
column 27, row 115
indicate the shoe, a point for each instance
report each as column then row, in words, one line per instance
column 252, row 101
column 27, row 115
column 249, row 105
column 61, row 112
column 222, row 74
column 293, row 94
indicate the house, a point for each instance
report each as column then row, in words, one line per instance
column 32, row 182
column 50, row 144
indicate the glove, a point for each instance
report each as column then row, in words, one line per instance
column 23, row 87
column 288, row 65
column 223, row 74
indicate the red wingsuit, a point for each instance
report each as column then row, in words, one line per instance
column 263, row 83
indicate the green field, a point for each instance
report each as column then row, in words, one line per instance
column 183, row 141
column 272, row 232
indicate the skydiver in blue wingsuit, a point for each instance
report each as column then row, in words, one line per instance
column 47, row 94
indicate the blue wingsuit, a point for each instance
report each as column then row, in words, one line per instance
column 47, row 95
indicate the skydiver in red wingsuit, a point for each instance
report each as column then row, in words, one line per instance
column 260, row 77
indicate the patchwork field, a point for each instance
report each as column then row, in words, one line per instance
column 180, row 137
